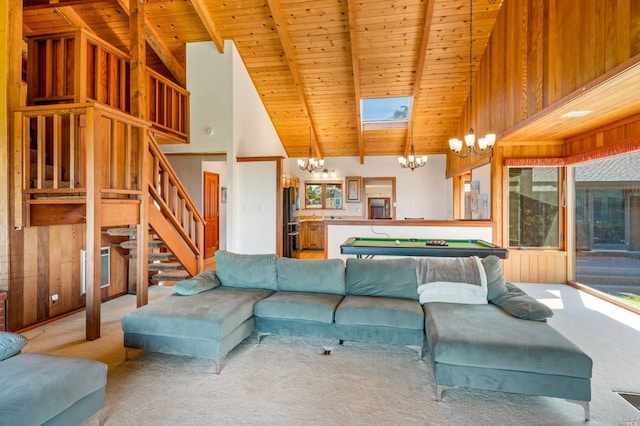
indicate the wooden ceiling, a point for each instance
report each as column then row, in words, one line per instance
column 313, row 60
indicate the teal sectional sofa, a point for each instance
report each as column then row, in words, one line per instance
column 484, row 345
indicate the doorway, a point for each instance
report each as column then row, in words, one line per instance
column 379, row 197
column 379, row 208
column 211, row 204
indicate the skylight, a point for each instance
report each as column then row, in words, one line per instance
column 385, row 113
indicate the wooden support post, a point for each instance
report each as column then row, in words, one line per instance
column 94, row 230
column 142, row 246
column 139, row 109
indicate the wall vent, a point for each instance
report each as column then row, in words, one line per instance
column 105, row 268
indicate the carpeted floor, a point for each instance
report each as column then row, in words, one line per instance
column 288, row 381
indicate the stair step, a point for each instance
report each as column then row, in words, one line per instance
column 33, row 170
column 161, row 256
column 164, row 266
column 48, row 184
column 132, row 244
column 122, row 232
column 178, row 275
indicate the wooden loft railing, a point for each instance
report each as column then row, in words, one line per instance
column 53, row 141
column 77, row 67
column 167, row 108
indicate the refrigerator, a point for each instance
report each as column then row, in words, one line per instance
column 291, row 223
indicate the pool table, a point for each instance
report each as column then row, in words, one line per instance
column 369, row 247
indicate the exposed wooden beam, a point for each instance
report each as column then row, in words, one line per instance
column 201, row 9
column 280, row 22
column 71, row 17
column 43, row 4
column 428, row 16
column 175, row 68
column 164, row 53
column 351, row 5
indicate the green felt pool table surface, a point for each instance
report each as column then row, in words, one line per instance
column 421, row 247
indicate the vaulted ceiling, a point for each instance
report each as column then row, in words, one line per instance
column 312, row 61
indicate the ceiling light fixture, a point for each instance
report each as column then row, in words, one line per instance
column 310, row 164
column 485, row 144
column 412, row 161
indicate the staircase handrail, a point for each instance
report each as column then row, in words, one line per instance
column 181, row 192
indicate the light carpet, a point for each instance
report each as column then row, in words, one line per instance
column 288, row 381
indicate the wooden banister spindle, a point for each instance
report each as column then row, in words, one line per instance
column 57, row 151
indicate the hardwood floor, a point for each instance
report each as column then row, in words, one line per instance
column 312, row 254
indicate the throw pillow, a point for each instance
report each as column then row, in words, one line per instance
column 202, row 282
column 496, row 284
column 246, row 270
column 10, row 344
column 519, row 304
column 316, row 276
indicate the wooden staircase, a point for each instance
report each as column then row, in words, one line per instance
column 161, row 262
column 82, row 158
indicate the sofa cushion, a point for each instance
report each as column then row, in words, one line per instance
column 519, row 304
column 382, row 277
column 211, row 315
column 299, row 305
column 317, row 276
column 202, row 282
column 496, row 284
column 380, row 311
column 246, row 270
column 36, row 388
column 485, row 336
column 10, row 344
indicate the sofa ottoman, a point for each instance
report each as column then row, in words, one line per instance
column 484, row 347
column 50, row 390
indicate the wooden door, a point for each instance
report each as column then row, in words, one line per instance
column 211, row 213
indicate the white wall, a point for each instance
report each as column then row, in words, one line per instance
column 223, row 98
column 424, row 192
column 209, row 76
column 251, row 219
column 255, row 208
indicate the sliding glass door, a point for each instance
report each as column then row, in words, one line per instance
column 607, row 225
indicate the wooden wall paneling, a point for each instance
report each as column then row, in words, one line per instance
column 537, row 40
column 44, row 274
column 536, row 266
column 28, row 274
column 16, row 280
column 64, row 269
column 634, row 28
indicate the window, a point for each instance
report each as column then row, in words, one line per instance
column 325, row 195
column 534, row 214
column 385, row 113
